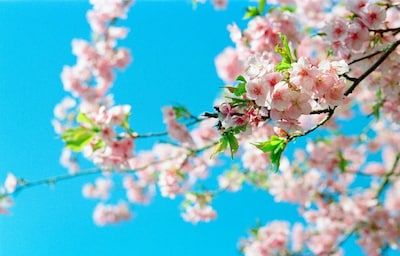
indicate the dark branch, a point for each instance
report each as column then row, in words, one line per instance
column 381, row 59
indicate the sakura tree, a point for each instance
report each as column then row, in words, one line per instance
column 298, row 69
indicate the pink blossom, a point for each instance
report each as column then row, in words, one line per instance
column 122, row 58
column 179, row 132
column 235, row 33
column 84, row 50
column 5, row 203
column 302, row 74
column 69, row 161
column 196, row 213
column 220, row 4
column 231, row 181
column 393, row 17
column 373, row 16
column 61, row 109
column 117, row 114
column 136, row 190
column 336, row 30
column 228, row 65
column 117, row 32
column 271, row 239
column 356, row 5
column 10, row 183
column 105, row 214
column 297, row 237
column 101, row 189
column 280, row 98
column 169, row 183
column 392, row 199
column 374, row 168
column 255, row 160
column 256, row 66
column 358, row 36
column 168, row 114
column 258, row 91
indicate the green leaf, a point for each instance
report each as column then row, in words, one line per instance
column 288, row 53
column 240, row 88
column 283, row 66
column 377, row 107
column 221, row 146
column 233, row 144
column 241, row 79
column 239, row 129
column 181, row 112
column 83, row 118
column 227, row 139
column 238, row 101
column 77, row 138
column 275, row 146
column 342, row 162
column 288, row 8
column 251, row 12
column 125, row 123
column 285, row 52
column 98, row 145
column 261, row 6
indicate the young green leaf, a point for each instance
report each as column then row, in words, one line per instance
column 288, row 8
column 77, row 138
column 241, row 79
column 282, row 66
column 181, row 112
column 379, row 104
column 261, row 6
column 233, row 143
column 83, row 118
column 342, row 162
column 240, row 88
column 285, row 52
column 125, row 123
column 251, row 12
column 98, row 145
column 221, row 146
column 275, row 146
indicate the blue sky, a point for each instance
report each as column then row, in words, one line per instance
column 173, row 47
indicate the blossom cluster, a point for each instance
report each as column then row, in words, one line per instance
column 287, row 86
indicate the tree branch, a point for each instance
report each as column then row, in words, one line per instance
column 330, row 112
column 381, row 59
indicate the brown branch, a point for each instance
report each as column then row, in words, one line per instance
column 381, row 31
column 319, row 111
column 381, row 59
column 330, row 112
column 366, row 57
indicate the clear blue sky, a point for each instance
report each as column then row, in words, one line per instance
column 173, row 47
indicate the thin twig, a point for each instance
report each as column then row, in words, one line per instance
column 366, row 57
column 387, row 176
column 330, row 112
